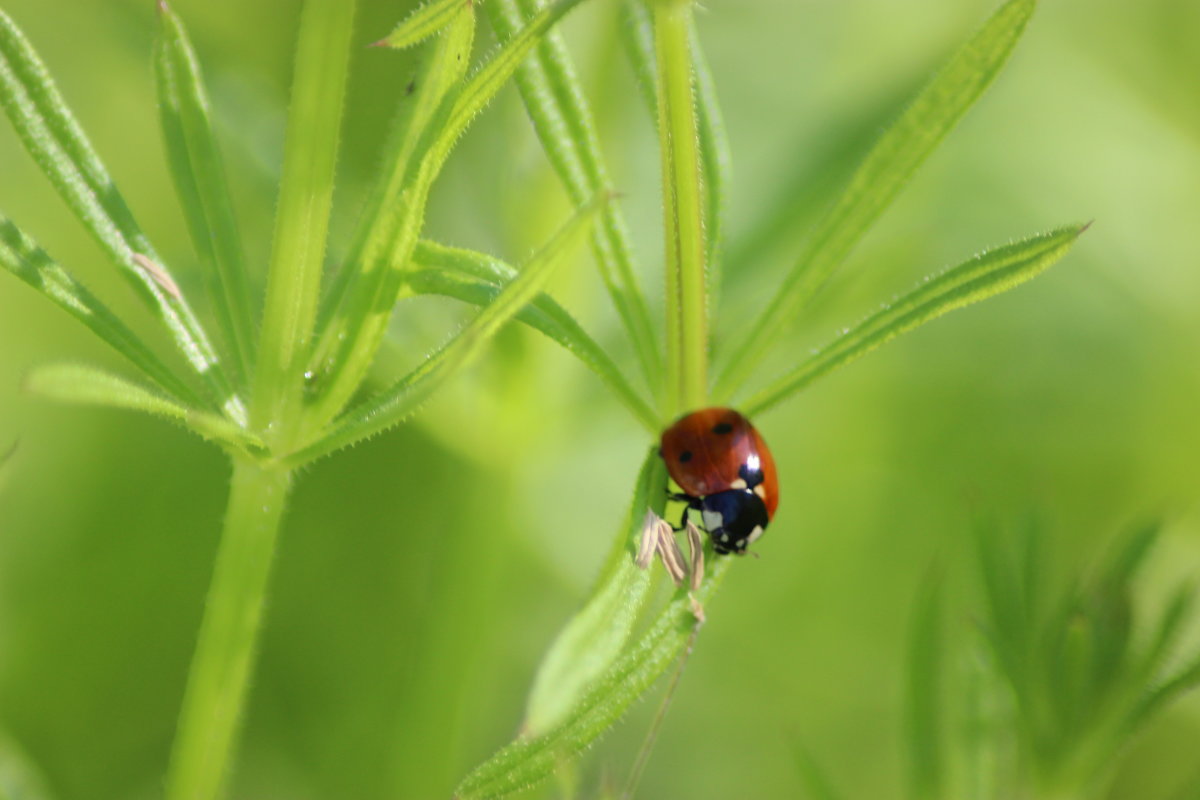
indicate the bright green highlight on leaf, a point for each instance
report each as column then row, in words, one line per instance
column 62, row 151
column 200, row 183
column 985, row 275
column 883, row 173
column 425, row 21
column 393, row 405
column 478, row 278
column 597, row 634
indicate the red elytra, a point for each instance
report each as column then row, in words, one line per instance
column 718, row 458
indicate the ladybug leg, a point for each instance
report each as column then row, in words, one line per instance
column 689, row 503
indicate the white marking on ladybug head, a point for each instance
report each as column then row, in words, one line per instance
column 761, row 491
column 714, row 520
column 754, row 534
column 738, row 484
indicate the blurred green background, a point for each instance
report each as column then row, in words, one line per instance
column 421, row 576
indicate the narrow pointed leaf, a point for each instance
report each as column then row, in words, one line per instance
column 22, row 256
column 427, row 20
column 1170, row 626
column 528, row 760
column 421, row 103
column 200, row 182
column 981, row 277
column 406, row 395
column 84, row 385
column 595, row 636
column 716, row 156
column 883, row 173
column 62, row 151
column 1186, row 679
column 352, row 339
column 302, row 214
column 478, row 278
column 554, row 100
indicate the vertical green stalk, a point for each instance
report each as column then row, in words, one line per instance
column 302, row 219
column 683, row 204
column 221, row 666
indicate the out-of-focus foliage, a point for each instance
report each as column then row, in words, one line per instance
column 422, row 576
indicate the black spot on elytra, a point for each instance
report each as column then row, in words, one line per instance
column 685, row 456
column 722, row 428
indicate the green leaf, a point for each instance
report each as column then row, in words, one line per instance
column 595, row 636
column 21, row 256
column 530, row 759
column 425, row 21
column 883, row 173
column 478, row 278
column 1186, row 679
column 925, row 735
column 302, row 213
column 716, row 156
column 554, row 99
column 979, row 278
column 1170, row 626
column 423, row 101
column 60, row 148
column 406, row 395
column 199, row 175
column 351, row 340
column 79, row 384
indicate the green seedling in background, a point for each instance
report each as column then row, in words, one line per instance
column 1058, row 672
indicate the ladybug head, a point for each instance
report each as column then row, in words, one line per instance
column 734, row 519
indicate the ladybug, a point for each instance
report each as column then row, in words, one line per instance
column 726, row 473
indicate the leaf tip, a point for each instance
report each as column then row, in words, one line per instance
column 1083, row 228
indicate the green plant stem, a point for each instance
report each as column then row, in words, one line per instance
column 302, row 218
column 221, row 665
column 683, row 202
